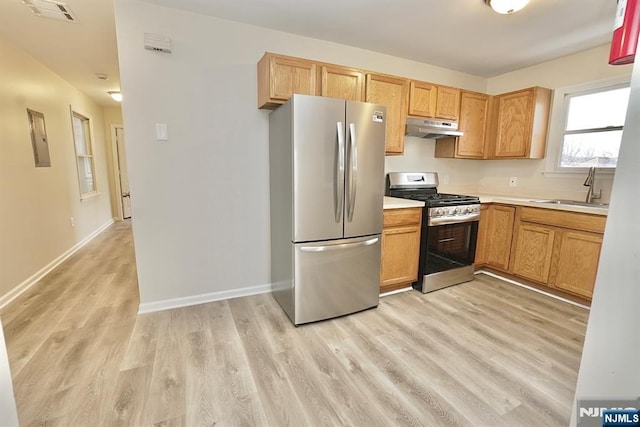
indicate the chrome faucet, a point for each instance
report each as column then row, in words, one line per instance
column 590, row 182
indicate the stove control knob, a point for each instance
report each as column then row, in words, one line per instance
column 439, row 211
column 456, row 211
column 469, row 209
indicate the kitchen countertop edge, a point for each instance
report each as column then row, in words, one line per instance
column 398, row 203
column 538, row 203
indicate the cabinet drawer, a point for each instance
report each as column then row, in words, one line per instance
column 407, row 216
column 574, row 220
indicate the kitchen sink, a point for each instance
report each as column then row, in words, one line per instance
column 574, row 203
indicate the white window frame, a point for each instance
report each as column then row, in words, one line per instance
column 558, row 120
column 90, row 153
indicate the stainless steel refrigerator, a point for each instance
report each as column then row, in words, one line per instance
column 326, row 160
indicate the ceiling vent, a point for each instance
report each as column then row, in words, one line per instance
column 50, row 9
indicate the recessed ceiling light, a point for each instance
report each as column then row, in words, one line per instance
column 117, row 96
column 506, row 7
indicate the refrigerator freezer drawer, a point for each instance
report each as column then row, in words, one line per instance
column 335, row 278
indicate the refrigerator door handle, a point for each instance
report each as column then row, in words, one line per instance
column 338, row 247
column 339, row 181
column 353, row 173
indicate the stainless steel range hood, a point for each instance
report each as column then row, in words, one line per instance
column 432, row 129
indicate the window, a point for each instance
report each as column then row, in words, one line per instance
column 593, row 127
column 84, row 154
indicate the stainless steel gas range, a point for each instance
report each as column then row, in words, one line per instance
column 449, row 229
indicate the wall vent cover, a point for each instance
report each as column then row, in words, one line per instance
column 50, row 9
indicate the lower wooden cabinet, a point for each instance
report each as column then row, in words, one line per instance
column 400, row 248
column 577, row 266
column 481, row 242
column 533, row 252
column 495, row 233
column 558, row 249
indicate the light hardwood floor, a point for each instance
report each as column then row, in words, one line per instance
column 485, row 353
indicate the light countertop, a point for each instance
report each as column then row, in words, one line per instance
column 538, row 203
column 397, row 203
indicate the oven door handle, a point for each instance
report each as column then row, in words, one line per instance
column 454, row 220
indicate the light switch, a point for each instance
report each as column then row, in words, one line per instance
column 162, row 134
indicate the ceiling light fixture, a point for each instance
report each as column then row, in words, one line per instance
column 506, row 7
column 117, row 96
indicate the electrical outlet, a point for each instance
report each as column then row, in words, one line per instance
column 513, row 181
column 72, row 222
column 445, row 179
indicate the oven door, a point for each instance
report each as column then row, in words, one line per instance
column 447, row 253
column 450, row 246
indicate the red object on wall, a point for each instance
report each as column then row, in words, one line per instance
column 625, row 33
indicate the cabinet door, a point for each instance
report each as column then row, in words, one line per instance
column 481, row 257
column 578, row 262
column 534, row 249
column 279, row 77
column 474, row 120
column 500, row 233
column 391, row 92
column 422, row 99
column 447, row 102
column 400, row 251
column 343, row 83
column 514, row 124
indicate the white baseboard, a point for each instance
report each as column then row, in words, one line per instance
column 167, row 304
column 531, row 288
column 397, row 291
column 22, row 287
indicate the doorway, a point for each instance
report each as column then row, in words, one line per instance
column 121, row 172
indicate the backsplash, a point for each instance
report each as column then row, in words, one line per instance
column 492, row 176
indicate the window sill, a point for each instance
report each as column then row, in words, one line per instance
column 609, row 172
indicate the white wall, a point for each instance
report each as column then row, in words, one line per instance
column 37, row 203
column 609, row 367
column 200, row 211
column 456, row 175
column 568, row 72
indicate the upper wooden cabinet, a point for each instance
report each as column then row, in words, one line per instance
column 474, row 123
column 508, row 126
column 447, row 103
column 393, row 93
column 474, row 120
column 433, row 101
column 520, row 128
column 341, row 82
column 281, row 76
